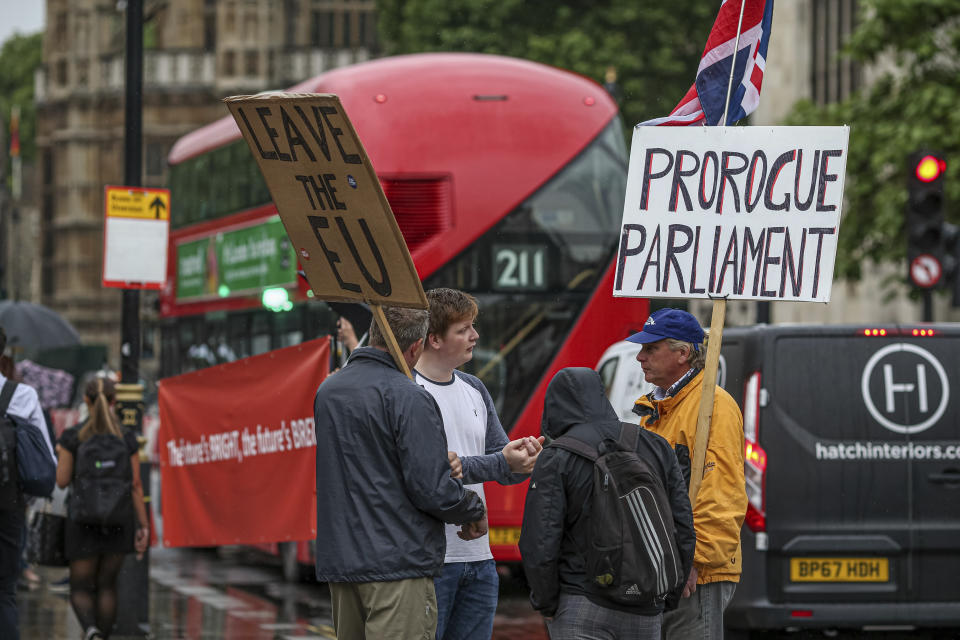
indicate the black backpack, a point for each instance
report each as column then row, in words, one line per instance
column 632, row 556
column 26, row 466
column 100, row 493
column 9, row 479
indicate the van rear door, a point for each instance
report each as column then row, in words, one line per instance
column 927, row 377
column 837, row 484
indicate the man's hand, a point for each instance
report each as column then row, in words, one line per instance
column 473, row 530
column 140, row 541
column 521, row 454
column 456, row 467
column 691, row 587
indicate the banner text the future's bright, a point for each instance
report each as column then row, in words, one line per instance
column 235, row 445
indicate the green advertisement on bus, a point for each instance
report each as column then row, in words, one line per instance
column 237, row 262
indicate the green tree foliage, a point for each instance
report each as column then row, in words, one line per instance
column 915, row 44
column 20, row 57
column 654, row 47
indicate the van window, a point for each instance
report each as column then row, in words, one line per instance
column 607, row 372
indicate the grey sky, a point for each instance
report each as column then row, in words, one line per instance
column 24, row 16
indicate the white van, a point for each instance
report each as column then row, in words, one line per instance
column 623, row 378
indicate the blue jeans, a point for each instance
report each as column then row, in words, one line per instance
column 467, row 600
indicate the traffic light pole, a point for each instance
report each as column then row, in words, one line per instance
column 927, row 305
column 931, row 255
column 134, row 581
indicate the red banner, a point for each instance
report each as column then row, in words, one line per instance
column 237, row 449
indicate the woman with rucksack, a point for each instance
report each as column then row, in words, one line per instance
column 99, row 461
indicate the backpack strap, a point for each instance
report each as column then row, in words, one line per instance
column 6, row 395
column 576, row 446
column 629, row 435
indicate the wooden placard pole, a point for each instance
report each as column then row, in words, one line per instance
column 704, row 418
column 391, row 341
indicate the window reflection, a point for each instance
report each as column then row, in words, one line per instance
column 534, row 271
column 215, row 184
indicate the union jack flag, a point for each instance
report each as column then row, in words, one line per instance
column 703, row 104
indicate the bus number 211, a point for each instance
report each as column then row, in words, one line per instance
column 519, row 267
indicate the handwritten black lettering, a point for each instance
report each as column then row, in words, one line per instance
column 769, row 260
column 825, row 178
column 336, row 132
column 649, row 175
column 294, row 137
column 678, row 186
column 263, row 112
column 626, row 251
column 653, row 260
column 267, row 155
column 381, row 286
column 726, row 175
column 673, row 249
column 320, row 223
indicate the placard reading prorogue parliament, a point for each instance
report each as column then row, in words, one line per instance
column 743, row 213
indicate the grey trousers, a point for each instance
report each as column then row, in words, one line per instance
column 699, row 617
column 579, row 619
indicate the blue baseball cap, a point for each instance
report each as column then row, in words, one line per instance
column 669, row 323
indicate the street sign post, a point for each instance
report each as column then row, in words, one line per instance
column 135, row 234
column 925, row 271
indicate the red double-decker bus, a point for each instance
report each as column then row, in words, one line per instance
column 507, row 180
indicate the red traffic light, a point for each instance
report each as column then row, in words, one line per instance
column 929, row 168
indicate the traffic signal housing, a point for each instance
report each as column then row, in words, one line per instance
column 924, row 216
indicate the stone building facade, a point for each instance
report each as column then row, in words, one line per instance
column 195, row 53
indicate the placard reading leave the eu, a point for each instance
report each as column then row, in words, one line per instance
column 329, row 198
column 749, row 213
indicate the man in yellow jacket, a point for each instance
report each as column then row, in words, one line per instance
column 672, row 357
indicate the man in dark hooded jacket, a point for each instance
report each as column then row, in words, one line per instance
column 554, row 537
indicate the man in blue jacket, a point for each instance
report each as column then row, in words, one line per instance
column 384, row 490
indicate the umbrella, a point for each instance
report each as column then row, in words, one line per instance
column 31, row 327
column 357, row 313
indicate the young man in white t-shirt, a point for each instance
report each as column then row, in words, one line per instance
column 480, row 451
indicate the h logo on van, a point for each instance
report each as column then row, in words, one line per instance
column 892, row 387
column 902, row 382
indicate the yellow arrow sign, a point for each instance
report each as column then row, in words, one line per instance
column 138, row 202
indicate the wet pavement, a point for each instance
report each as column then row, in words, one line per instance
column 238, row 593
column 235, row 593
